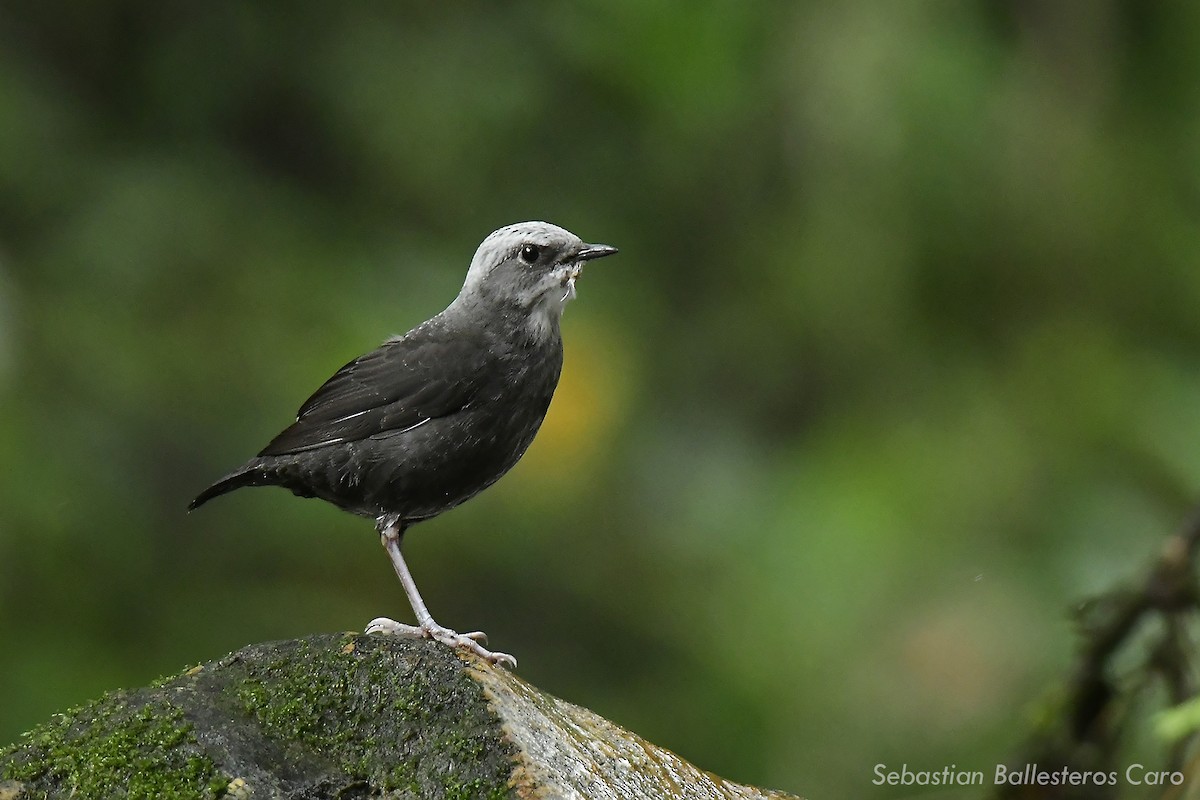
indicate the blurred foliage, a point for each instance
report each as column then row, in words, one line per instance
column 899, row 358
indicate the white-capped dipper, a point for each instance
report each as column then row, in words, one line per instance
column 433, row 417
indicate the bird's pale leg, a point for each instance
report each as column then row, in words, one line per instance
column 389, row 535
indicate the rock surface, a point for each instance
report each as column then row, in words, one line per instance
column 346, row 716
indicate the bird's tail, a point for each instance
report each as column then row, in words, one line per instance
column 249, row 474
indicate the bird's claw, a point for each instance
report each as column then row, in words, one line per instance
column 390, row 627
column 472, row 641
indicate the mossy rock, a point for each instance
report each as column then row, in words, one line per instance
column 346, row 716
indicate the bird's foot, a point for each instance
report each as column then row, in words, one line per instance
column 472, row 641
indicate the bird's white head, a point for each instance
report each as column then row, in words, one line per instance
column 530, row 267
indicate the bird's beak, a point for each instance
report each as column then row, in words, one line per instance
column 589, row 252
column 593, row 251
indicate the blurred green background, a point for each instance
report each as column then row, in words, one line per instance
column 900, row 358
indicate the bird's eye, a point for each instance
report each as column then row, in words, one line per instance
column 530, row 253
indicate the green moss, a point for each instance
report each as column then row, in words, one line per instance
column 119, row 746
column 379, row 718
column 166, row 680
column 478, row 789
column 353, row 716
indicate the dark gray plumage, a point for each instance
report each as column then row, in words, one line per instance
column 433, row 417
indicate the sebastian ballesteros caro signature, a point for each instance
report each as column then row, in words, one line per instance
column 1022, row 775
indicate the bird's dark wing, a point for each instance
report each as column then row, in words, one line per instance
column 424, row 375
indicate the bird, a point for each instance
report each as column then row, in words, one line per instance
column 431, row 418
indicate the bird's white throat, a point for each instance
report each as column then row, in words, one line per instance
column 547, row 309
